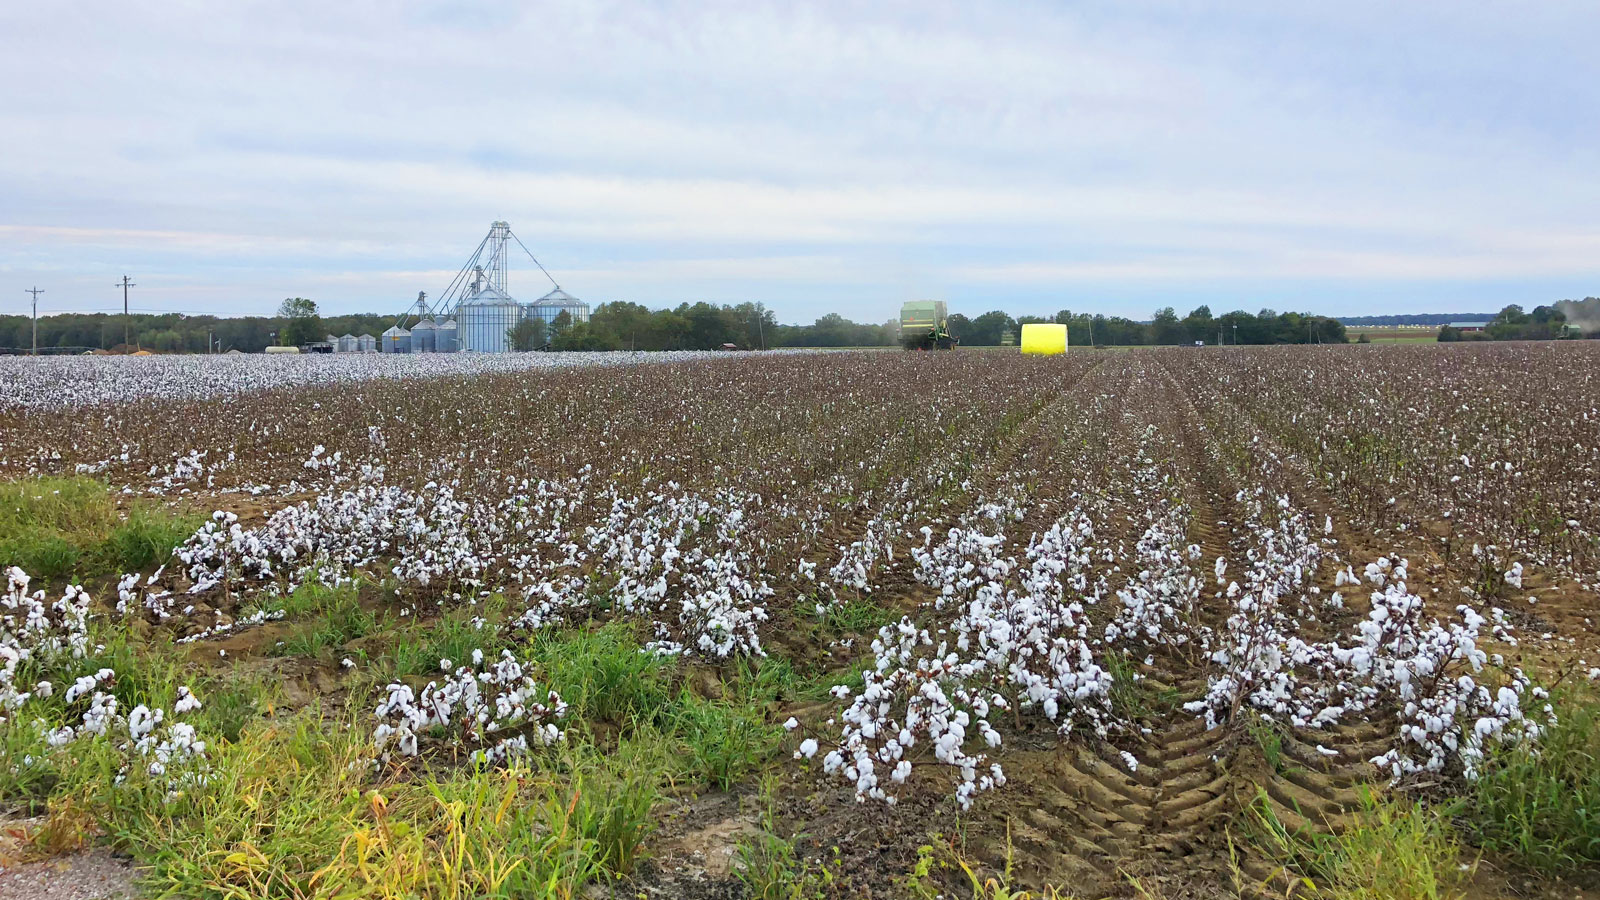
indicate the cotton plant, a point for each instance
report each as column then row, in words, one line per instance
column 1015, row 640
column 37, row 634
column 1449, row 698
column 493, row 707
column 42, row 636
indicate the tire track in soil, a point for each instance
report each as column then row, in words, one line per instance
column 1304, row 787
column 1079, row 819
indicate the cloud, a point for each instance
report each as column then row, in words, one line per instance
column 808, row 156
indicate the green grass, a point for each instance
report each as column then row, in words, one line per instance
column 725, row 740
column 858, row 615
column 294, row 808
column 293, row 805
column 60, row 528
column 1540, row 805
column 1270, row 740
column 1396, row 850
column 603, row 676
column 771, row 868
column 453, row 636
column 330, row 617
column 1134, row 697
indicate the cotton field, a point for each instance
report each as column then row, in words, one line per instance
column 1107, row 616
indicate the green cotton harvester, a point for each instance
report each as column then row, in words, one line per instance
column 924, row 325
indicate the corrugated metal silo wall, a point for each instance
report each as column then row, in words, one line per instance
column 482, row 328
column 445, row 341
column 422, row 337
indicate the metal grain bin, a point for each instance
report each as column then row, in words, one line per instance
column 482, row 323
column 366, row 343
column 554, row 304
column 424, row 336
column 396, row 340
column 447, row 337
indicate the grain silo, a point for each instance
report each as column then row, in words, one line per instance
column 483, row 320
column 480, row 309
column 424, row 336
column 555, row 303
column 348, row 343
column 366, row 343
column 396, row 340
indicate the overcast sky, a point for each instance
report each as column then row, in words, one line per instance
column 1347, row 158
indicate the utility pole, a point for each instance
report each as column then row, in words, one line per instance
column 35, row 292
column 125, row 285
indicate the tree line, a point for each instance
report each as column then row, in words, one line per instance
column 175, row 332
column 1545, row 323
column 1165, row 328
column 632, row 326
column 623, row 326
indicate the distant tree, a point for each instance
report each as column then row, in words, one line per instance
column 1449, row 334
column 1165, row 327
column 632, row 325
column 301, row 323
column 985, row 330
column 584, row 336
column 1511, row 315
column 559, row 324
column 527, row 334
column 1200, row 325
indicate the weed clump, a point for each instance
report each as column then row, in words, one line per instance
column 1540, row 803
column 60, row 528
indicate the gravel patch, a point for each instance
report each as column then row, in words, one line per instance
column 87, row 875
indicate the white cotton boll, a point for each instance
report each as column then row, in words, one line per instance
column 791, row 724
column 186, row 702
column 808, row 749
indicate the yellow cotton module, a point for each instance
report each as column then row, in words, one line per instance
column 1044, row 339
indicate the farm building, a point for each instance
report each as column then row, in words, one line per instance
column 1468, row 326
